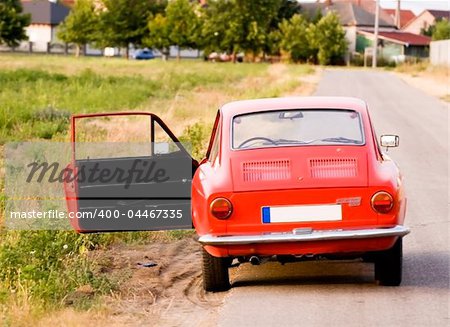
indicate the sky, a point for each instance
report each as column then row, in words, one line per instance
column 417, row 6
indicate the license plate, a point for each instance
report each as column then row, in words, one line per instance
column 302, row 213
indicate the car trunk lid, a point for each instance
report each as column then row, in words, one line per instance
column 299, row 168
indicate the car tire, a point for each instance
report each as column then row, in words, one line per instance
column 215, row 273
column 388, row 265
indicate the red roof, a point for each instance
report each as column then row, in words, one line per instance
column 406, row 37
column 405, row 15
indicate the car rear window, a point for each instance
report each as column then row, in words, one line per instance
column 297, row 128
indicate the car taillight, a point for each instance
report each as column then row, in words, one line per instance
column 382, row 202
column 221, row 208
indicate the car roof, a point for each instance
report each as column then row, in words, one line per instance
column 313, row 102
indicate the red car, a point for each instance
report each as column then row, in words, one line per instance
column 285, row 179
column 298, row 178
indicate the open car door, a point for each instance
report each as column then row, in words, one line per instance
column 131, row 174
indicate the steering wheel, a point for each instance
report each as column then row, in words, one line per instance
column 256, row 138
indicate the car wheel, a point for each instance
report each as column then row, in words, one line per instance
column 388, row 265
column 215, row 273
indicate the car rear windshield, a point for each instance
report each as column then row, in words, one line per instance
column 297, row 128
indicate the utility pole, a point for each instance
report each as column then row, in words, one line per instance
column 397, row 15
column 375, row 42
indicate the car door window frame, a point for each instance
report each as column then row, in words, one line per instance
column 213, row 152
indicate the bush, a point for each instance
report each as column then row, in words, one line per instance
column 198, row 136
column 293, row 38
column 441, row 30
column 358, row 60
column 322, row 41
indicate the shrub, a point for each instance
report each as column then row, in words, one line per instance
column 198, row 136
column 320, row 41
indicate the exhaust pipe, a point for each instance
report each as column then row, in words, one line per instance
column 254, row 260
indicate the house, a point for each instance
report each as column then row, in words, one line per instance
column 358, row 19
column 354, row 16
column 45, row 17
column 395, row 45
column 405, row 16
column 426, row 19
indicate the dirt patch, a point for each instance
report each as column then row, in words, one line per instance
column 278, row 72
column 307, row 83
column 168, row 294
column 433, row 81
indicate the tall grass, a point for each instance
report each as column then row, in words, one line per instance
column 27, row 94
column 47, row 264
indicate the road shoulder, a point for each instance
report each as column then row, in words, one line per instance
column 436, row 85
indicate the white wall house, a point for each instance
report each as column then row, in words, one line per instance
column 354, row 15
column 45, row 17
column 426, row 19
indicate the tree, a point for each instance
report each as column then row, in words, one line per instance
column 158, row 36
column 220, row 28
column 125, row 22
column 293, row 38
column 254, row 19
column 441, row 30
column 286, row 10
column 182, row 24
column 327, row 38
column 428, row 31
column 239, row 25
column 80, row 25
column 12, row 23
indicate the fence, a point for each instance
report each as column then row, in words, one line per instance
column 87, row 50
column 51, row 48
column 440, row 53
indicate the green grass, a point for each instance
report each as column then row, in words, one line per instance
column 27, row 94
column 37, row 96
column 31, row 259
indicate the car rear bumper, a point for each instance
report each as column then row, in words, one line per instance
column 304, row 236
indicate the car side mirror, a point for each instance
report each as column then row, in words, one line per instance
column 390, row 141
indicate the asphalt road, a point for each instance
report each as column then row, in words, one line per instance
column 343, row 294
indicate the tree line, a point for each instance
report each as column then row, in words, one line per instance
column 258, row 28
